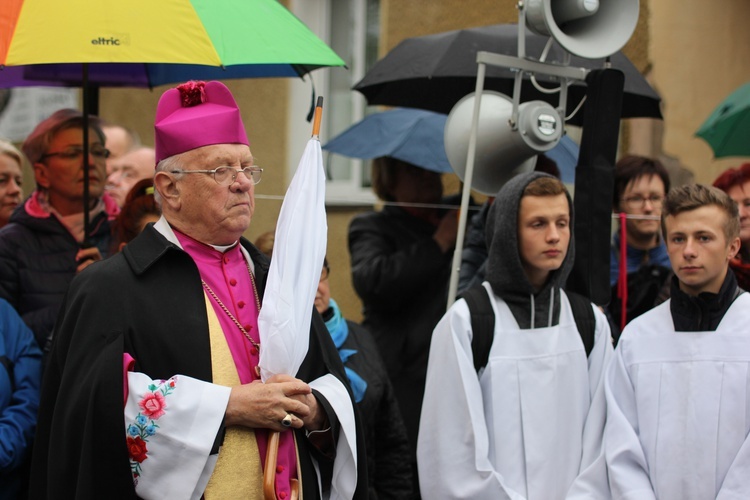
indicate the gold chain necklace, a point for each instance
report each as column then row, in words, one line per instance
column 228, row 313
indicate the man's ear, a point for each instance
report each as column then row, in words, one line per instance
column 40, row 175
column 168, row 188
column 734, row 247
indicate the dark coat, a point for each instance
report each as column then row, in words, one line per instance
column 402, row 277
column 146, row 301
column 474, row 253
column 388, row 465
column 38, row 262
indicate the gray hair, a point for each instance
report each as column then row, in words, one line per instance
column 36, row 144
column 169, row 164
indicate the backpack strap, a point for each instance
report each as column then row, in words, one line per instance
column 584, row 318
column 8, row 364
column 482, row 324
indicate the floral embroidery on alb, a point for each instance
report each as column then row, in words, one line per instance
column 153, row 406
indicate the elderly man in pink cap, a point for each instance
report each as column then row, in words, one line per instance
column 152, row 388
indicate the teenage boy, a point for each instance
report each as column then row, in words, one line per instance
column 528, row 424
column 678, row 388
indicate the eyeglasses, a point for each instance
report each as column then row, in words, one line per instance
column 638, row 201
column 76, row 153
column 324, row 273
column 225, row 176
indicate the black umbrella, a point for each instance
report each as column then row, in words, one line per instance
column 433, row 72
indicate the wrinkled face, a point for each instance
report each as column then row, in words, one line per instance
column 10, row 187
column 698, row 249
column 543, row 235
column 118, row 142
column 61, row 171
column 323, row 295
column 205, row 210
column 740, row 193
column 126, row 171
column 643, row 196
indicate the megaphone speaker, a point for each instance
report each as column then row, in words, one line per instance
column 586, row 28
column 502, row 151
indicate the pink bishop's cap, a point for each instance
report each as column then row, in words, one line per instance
column 196, row 114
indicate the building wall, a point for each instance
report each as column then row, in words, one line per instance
column 700, row 53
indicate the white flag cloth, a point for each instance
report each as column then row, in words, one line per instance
column 298, row 252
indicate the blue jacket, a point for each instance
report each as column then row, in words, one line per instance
column 37, row 262
column 636, row 258
column 20, row 378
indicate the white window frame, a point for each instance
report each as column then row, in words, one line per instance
column 316, row 14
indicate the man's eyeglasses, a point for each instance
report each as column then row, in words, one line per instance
column 225, row 176
column 76, row 153
column 638, row 201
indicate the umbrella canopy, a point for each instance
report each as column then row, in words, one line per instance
column 417, row 136
column 212, row 33
column 411, row 135
column 727, row 129
column 217, row 33
column 433, row 72
column 139, row 75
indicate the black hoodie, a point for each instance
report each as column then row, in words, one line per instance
column 504, row 269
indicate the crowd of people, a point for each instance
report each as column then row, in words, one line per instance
column 130, row 346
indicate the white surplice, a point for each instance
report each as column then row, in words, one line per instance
column 679, row 409
column 529, row 426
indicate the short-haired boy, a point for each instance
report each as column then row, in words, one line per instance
column 678, row 388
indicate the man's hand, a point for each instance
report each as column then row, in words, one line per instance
column 447, row 230
column 86, row 256
column 264, row 405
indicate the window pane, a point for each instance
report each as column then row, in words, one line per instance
column 355, row 34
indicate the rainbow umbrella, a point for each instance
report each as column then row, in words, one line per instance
column 219, row 33
column 125, row 43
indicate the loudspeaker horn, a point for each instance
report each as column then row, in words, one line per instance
column 586, row 28
column 501, row 151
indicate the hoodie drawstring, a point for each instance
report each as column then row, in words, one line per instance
column 532, row 311
column 551, row 306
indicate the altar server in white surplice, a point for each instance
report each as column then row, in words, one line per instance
column 678, row 388
column 529, row 423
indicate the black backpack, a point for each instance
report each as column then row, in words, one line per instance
column 483, row 322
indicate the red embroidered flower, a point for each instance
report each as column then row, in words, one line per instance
column 153, row 404
column 137, row 449
column 192, row 93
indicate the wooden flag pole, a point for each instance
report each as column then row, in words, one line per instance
column 318, row 116
column 272, row 452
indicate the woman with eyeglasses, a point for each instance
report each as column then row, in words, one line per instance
column 639, row 274
column 42, row 247
column 10, row 180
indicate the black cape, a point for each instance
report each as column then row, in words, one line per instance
column 146, row 301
